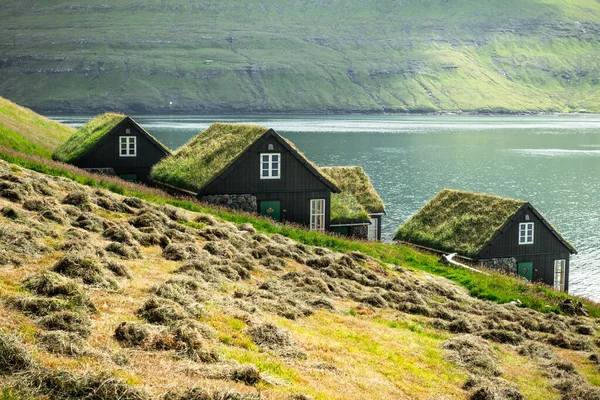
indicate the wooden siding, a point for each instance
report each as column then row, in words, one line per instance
column 294, row 189
column 106, row 153
column 297, row 205
column 244, row 177
column 545, row 249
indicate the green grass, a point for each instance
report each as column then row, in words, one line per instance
column 206, row 155
column 87, row 137
column 345, row 208
column 457, row 221
column 493, row 286
column 28, row 132
column 417, row 56
column 356, row 182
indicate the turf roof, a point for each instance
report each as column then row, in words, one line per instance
column 206, row 155
column 356, row 182
column 457, row 221
column 86, row 137
column 345, row 209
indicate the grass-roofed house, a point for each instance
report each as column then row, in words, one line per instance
column 253, row 169
column 113, row 144
column 495, row 231
column 357, row 211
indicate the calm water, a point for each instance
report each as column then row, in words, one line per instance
column 552, row 162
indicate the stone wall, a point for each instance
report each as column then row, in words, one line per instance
column 505, row 264
column 359, row 232
column 242, row 202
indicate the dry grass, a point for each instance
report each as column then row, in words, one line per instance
column 252, row 313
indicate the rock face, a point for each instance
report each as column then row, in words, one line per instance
column 241, row 202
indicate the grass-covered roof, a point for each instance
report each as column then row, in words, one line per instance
column 345, row 209
column 86, row 137
column 457, row 221
column 355, row 181
column 206, row 155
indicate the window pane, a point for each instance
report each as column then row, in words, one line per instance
column 265, row 158
column 275, row 173
column 275, row 157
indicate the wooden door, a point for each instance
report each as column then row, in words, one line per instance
column 526, row 270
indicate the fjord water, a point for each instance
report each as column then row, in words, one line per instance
column 551, row 161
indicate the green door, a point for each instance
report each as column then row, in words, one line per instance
column 526, row 270
column 129, row 177
column 271, row 209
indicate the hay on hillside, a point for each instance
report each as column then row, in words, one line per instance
column 203, row 394
column 65, row 320
column 161, row 311
column 67, row 385
column 14, row 356
column 180, row 251
column 90, row 222
column 51, row 284
column 472, row 353
column 37, row 305
column 86, row 268
column 12, row 213
column 124, row 251
column 270, row 336
column 78, row 199
column 64, row 343
column 132, row 333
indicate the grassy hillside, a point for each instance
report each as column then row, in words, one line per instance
column 422, row 55
column 107, row 296
column 22, row 129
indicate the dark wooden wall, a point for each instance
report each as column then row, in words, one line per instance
column 294, row 189
column 545, row 249
column 106, row 153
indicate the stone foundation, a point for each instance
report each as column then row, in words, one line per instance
column 359, row 232
column 242, row 202
column 505, row 264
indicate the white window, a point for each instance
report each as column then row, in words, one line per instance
column 128, row 146
column 526, row 233
column 317, row 215
column 559, row 274
column 270, row 166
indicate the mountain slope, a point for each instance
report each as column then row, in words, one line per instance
column 122, row 298
column 309, row 56
column 23, row 130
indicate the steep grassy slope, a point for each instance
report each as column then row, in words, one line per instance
column 128, row 299
column 22, row 129
column 316, row 56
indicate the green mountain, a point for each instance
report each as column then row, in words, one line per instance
column 304, row 55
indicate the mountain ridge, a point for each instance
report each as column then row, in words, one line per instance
column 307, row 56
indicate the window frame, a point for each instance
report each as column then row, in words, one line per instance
column 314, row 217
column 562, row 263
column 525, row 239
column 128, row 141
column 270, row 168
